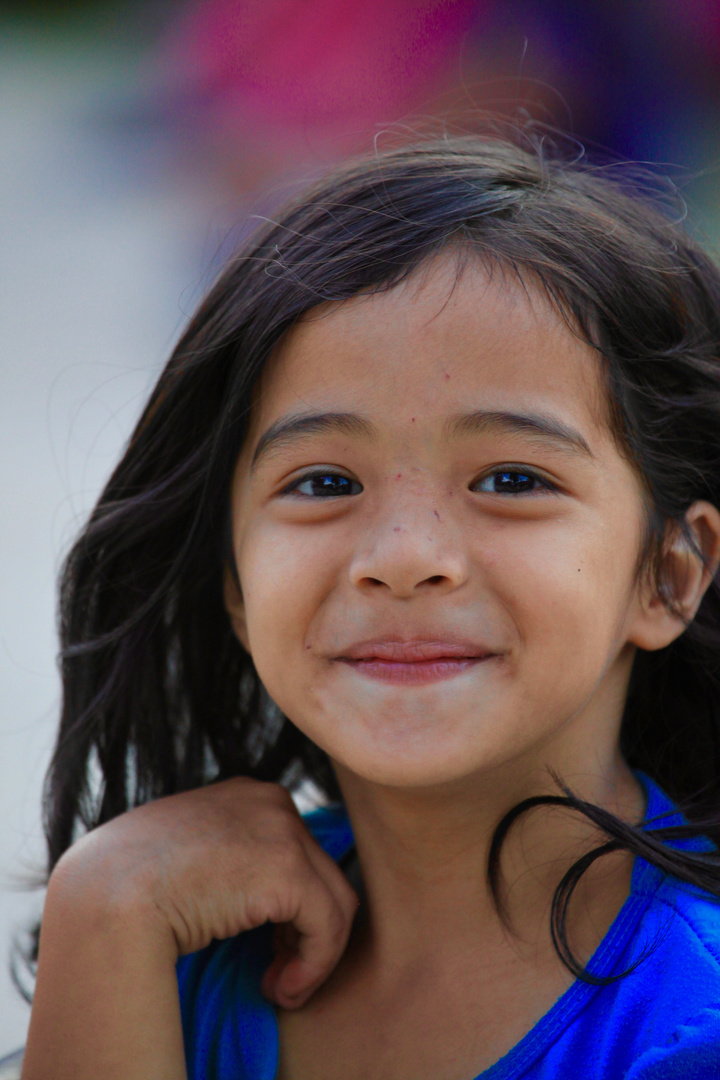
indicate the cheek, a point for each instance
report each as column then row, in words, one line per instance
column 285, row 579
column 569, row 593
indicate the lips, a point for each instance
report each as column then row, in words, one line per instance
column 414, row 650
column 415, row 661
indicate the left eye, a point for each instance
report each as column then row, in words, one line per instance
column 512, row 482
column 323, row 485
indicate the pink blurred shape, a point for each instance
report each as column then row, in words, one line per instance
column 700, row 19
column 336, row 66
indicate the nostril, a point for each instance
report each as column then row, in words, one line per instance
column 436, row 579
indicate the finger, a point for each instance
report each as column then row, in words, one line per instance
column 268, row 986
column 333, row 876
column 322, row 927
column 325, row 866
column 298, row 952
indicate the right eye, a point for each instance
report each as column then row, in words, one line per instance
column 323, row 485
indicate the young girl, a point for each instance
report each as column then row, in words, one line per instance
column 423, row 509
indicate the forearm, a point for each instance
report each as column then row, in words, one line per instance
column 106, row 1003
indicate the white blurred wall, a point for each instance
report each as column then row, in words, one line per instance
column 102, row 253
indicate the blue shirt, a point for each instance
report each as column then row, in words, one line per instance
column 661, row 1022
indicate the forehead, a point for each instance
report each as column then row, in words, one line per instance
column 448, row 337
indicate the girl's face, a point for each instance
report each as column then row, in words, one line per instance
column 430, row 473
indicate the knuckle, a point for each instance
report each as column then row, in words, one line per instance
column 233, row 786
column 280, row 796
column 350, row 902
column 337, row 925
column 292, row 859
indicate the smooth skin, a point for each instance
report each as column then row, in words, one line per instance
column 407, row 536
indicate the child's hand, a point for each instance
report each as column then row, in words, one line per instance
column 219, row 860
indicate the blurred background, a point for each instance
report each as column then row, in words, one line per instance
column 139, row 141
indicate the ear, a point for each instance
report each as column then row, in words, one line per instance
column 235, row 606
column 686, row 574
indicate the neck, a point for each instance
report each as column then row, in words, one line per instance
column 424, row 853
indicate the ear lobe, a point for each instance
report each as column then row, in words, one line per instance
column 687, row 571
column 235, row 606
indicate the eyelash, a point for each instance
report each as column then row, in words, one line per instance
column 292, row 487
column 544, row 486
column 507, row 470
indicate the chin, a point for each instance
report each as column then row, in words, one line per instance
column 405, row 768
column 413, row 750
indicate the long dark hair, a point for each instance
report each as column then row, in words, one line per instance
column 159, row 696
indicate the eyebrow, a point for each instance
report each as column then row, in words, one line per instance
column 546, row 429
column 285, row 431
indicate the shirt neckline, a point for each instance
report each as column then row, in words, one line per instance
column 644, row 882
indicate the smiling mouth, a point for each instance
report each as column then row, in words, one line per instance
column 410, row 663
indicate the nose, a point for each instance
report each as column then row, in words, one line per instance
column 409, row 553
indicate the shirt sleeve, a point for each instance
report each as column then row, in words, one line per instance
column 692, row 1052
